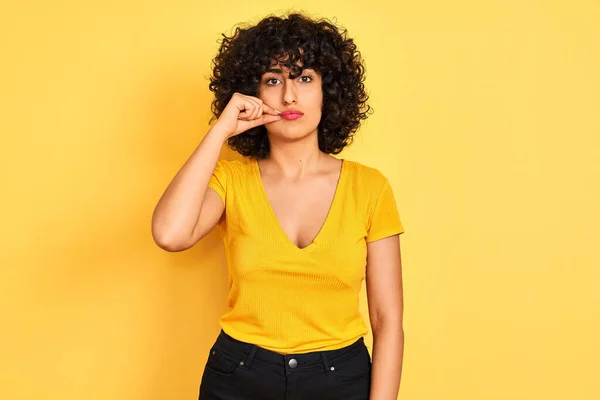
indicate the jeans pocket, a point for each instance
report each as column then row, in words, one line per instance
column 354, row 368
column 220, row 361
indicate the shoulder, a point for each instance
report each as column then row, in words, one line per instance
column 366, row 176
column 368, row 185
column 231, row 176
column 235, row 167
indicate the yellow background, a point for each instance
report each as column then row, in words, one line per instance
column 486, row 123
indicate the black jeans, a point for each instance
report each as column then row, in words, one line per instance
column 238, row 370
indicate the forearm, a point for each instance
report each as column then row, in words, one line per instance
column 388, row 353
column 178, row 209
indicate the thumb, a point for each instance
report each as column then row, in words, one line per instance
column 262, row 120
column 267, row 118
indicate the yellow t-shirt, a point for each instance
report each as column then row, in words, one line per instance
column 291, row 300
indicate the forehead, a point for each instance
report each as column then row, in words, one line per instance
column 282, row 69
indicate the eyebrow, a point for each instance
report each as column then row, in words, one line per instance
column 280, row 71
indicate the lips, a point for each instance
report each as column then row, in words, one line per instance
column 291, row 114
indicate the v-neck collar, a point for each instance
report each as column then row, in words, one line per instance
column 326, row 223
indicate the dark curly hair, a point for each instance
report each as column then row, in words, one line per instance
column 245, row 56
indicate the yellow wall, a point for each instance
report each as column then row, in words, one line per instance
column 486, row 122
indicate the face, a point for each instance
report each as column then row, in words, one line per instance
column 299, row 100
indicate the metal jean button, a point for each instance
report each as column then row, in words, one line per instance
column 293, row 363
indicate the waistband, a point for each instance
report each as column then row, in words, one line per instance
column 249, row 352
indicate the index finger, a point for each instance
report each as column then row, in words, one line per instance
column 270, row 110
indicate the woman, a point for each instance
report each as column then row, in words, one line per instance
column 301, row 228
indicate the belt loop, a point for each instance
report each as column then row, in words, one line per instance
column 250, row 356
column 325, row 362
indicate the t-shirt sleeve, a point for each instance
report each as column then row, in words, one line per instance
column 218, row 180
column 384, row 218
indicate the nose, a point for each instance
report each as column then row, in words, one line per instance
column 289, row 93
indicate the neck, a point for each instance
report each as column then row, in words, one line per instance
column 296, row 159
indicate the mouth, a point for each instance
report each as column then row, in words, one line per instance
column 291, row 114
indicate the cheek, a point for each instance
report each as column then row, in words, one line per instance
column 264, row 96
column 318, row 97
column 266, row 93
column 315, row 115
column 317, row 100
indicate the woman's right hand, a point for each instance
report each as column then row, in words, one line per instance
column 243, row 113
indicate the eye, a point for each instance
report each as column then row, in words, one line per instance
column 309, row 78
column 269, row 81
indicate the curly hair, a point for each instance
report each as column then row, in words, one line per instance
column 246, row 55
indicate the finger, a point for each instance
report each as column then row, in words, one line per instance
column 241, row 104
column 248, row 107
column 265, row 119
column 265, row 108
column 257, row 110
column 270, row 110
column 260, row 107
column 260, row 110
column 243, row 110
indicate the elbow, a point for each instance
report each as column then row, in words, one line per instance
column 171, row 247
column 166, row 237
column 387, row 324
column 170, row 243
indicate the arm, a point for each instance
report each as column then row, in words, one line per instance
column 187, row 211
column 385, row 301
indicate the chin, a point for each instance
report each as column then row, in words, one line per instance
column 292, row 133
